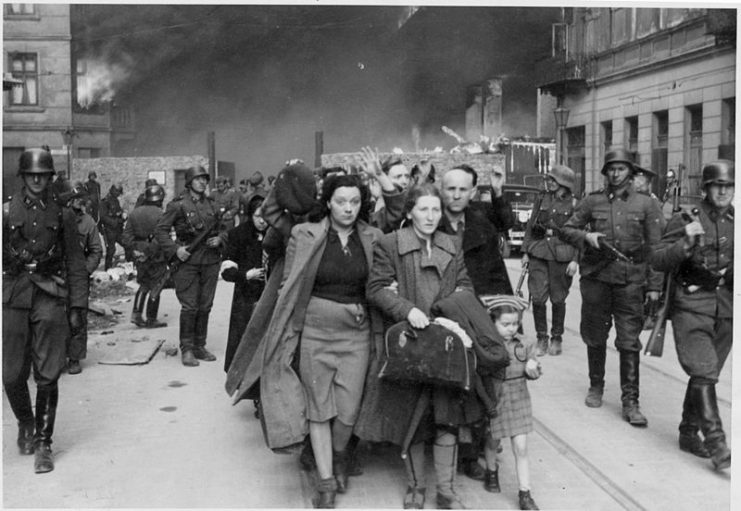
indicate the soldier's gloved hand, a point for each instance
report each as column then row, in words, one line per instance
column 182, row 253
column 692, row 232
column 213, row 242
column 75, row 320
column 593, row 239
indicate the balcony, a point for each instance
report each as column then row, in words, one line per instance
column 559, row 78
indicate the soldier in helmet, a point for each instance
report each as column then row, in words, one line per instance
column 552, row 262
column 112, row 218
column 227, row 202
column 143, row 196
column 699, row 254
column 612, row 287
column 93, row 189
column 139, row 239
column 76, row 199
column 193, row 214
column 43, row 276
column 642, row 178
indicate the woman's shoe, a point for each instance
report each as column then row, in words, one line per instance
column 414, row 498
column 452, row 501
column 327, row 489
column 526, row 500
column 491, row 481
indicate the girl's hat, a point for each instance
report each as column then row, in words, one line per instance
column 492, row 302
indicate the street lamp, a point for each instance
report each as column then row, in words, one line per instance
column 68, row 135
column 562, row 118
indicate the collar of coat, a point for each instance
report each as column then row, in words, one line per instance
column 319, row 230
column 408, row 241
column 477, row 227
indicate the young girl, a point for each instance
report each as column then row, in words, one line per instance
column 514, row 411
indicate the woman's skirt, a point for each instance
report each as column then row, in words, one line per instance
column 335, row 345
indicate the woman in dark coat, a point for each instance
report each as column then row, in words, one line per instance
column 243, row 265
column 412, row 269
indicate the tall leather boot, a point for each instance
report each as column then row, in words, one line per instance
column 20, row 402
column 541, row 327
column 703, row 394
column 47, row 397
column 136, row 311
column 596, row 358
column 558, row 317
column 445, row 456
column 629, row 381
column 689, row 439
column 187, row 335
column 153, row 305
column 199, row 341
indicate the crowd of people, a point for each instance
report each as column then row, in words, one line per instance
column 307, row 343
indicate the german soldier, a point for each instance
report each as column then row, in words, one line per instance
column 551, row 261
column 43, row 274
column 112, row 220
column 700, row 257
column 191, row 214
column 89, row 238
column 613, row 282
column 139, row 238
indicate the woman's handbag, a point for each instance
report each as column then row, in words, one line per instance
column 433, row 355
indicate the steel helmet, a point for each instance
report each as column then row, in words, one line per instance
column 718, row 172
column 194, row 172
column 116, row 190
column 154, row 194
column 643, row 170
column 618, row 155
column 36, row 161
column 563, row 175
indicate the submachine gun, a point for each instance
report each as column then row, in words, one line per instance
column 174, row 263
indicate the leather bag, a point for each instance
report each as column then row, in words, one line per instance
column 433, row 355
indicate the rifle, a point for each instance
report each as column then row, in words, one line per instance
column 614, row 252
column 174, row 263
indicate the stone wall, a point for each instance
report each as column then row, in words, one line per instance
column 131, row 173
column 484, row 163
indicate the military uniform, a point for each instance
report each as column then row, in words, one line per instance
column 702, row 319
column 43, row 274
column 549, row 256
column 140, row 233
column 227, row 203
column 111, row 225
column 612, row 288
column 196, row 278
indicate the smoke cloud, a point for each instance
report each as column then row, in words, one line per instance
column 265, row 78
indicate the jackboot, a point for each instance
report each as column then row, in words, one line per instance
column 629, row 382
column 327, row 491
column 153, row 306
column 339, row 468
column 445, row 468
column 20, row 402
column 541, row 327
column 689, row 439
column 47, row 397
column 596, row 358
column 199, row 339
column 703, row 394
column 187, row 333
column 558, row 313
column 138, row 307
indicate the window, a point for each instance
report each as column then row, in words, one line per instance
column 20, row 9
column 23, row 67
column 693, row 149
column 631, row 136
column 606, row 133
column 620, row 28
column 727, row 148
column 576, row 155
column 659, row 146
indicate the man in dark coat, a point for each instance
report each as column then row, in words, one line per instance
column 93, row 191
column 193, row 214
column 699, row 256
column 477, row 229
column 614, row 287
column 112, row 220
column 139, row 239
column 43, row 274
